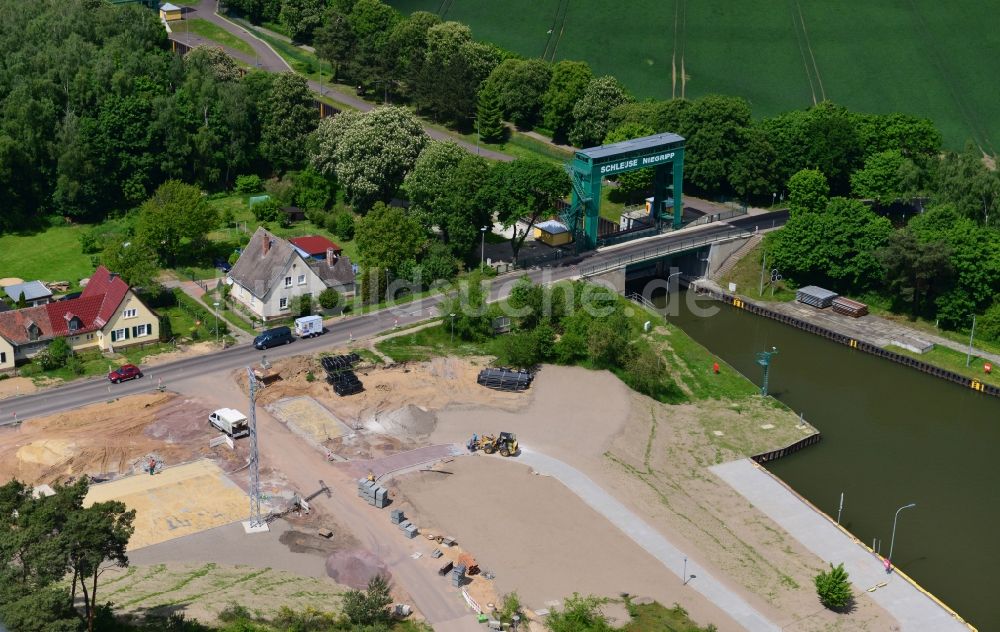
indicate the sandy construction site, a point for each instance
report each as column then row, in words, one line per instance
column 536, row 535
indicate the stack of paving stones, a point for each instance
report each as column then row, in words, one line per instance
column 408, row 528
column 458, row 575
column 504, row 379
column 375, row 495
column 818, row 297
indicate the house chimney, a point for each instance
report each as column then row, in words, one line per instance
column 266, row 243
column 331, row 257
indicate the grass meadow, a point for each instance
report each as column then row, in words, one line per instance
column 925, row 58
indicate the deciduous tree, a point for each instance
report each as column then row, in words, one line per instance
column 592, row 111
column 568, row 84
column 520, row 84
column 387, row 236
column 288, row 119
column 176, row 214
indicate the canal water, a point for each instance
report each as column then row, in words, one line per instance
column 891, row 436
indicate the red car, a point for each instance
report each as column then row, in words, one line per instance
column 125, row 372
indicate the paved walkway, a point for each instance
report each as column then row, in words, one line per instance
column 649, row 539
column 267, row 59
column 911, row 606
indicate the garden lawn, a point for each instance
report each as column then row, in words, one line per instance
column 922, row 57
column 50, row 255
column 954, row 361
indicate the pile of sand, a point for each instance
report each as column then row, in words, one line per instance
column 409, row 422
column 47, row 451
column 355, row 568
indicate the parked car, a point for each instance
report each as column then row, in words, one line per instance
column 124, row 373
column 223, row 265
column 273, row 338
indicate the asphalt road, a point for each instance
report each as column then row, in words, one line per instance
column 339, row 332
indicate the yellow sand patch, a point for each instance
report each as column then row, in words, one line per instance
column 175, row 502
column 47, row 451
column 311, row 417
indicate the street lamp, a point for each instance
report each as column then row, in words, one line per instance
column 452, row 329
column 670, row 276
column 216, row 304
column 893, row 540
column 482, row 247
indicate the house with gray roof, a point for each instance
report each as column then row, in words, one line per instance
column 271, row 273
column 35, row 293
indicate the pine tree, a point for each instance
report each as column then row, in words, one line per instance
column 490, row 116
column 834, row 587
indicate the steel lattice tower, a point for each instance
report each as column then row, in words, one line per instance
column 764, row 359
column 255, row 518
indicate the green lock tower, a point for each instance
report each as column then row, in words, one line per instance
column 664, row 153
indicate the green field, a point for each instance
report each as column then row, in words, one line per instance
column 209, row 31
column 54, row 254
column 920, row 57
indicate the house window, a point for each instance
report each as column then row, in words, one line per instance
column 90, row 336
column 282, row 303
column 119, row 334
column 129, row 313
column 288, row 281
column 141, row 330
column 3, row 357
column 302, row 279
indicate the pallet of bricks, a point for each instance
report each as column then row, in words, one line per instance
column 339, row 374
column 848, row 307
column 372, row 493
column 818, row 297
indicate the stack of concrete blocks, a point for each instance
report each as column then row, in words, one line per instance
column 458, row 575
column 396, row 516
column 375, row 495
column 408, row 528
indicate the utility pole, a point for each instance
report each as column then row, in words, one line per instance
column 482, row 247
column 968, row 356
column 763, row 266
column 841, row 508
column 256, row 522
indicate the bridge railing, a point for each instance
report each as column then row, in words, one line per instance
column 656, row 252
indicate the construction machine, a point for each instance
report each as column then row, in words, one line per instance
column 505, row 443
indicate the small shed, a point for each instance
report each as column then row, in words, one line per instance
column 171, row 12
column 553, row 233
column 35, row 293
column 294, row 213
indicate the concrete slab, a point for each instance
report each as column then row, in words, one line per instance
column 912, row 606
column 309, row 417
column 176, row 501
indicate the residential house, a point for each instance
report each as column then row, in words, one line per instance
column 106, row 316
column 35, row 293
column 271, row 273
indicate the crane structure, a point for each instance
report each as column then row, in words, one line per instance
column 256, row 522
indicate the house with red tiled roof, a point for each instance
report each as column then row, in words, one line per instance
column 315, row 247
column 107, row 316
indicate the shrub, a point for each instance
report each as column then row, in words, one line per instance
column 833, row 587
column 55, row 355
column 249, row 184
column 268, row 211
column 344, row 225
column 329, row 298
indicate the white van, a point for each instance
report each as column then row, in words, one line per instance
column 309, row 326
column 232, row 422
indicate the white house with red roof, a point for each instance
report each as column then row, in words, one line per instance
column 107, row 316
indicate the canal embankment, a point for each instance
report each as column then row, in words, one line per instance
column 912, row 606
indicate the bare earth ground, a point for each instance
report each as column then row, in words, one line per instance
column 14, row 386
column 536, row 535
column 592, row 421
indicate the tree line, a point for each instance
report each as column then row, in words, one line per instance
column 94, row 119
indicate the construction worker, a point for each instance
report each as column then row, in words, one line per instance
column 152, row 465
column 371, row 476
column 471, row 445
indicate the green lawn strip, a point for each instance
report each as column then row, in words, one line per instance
column 746, row 274
column 53, row 254
column 184, row 580
column 434, row 342
column 210, row 31
column 656, row 617
column 952, row 360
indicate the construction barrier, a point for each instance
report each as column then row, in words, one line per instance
column 853, row 343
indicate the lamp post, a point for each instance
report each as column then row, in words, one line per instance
column 893, row 540
column 452, row 329
column 216, row 304
column 670, row 276
column 482, row 247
